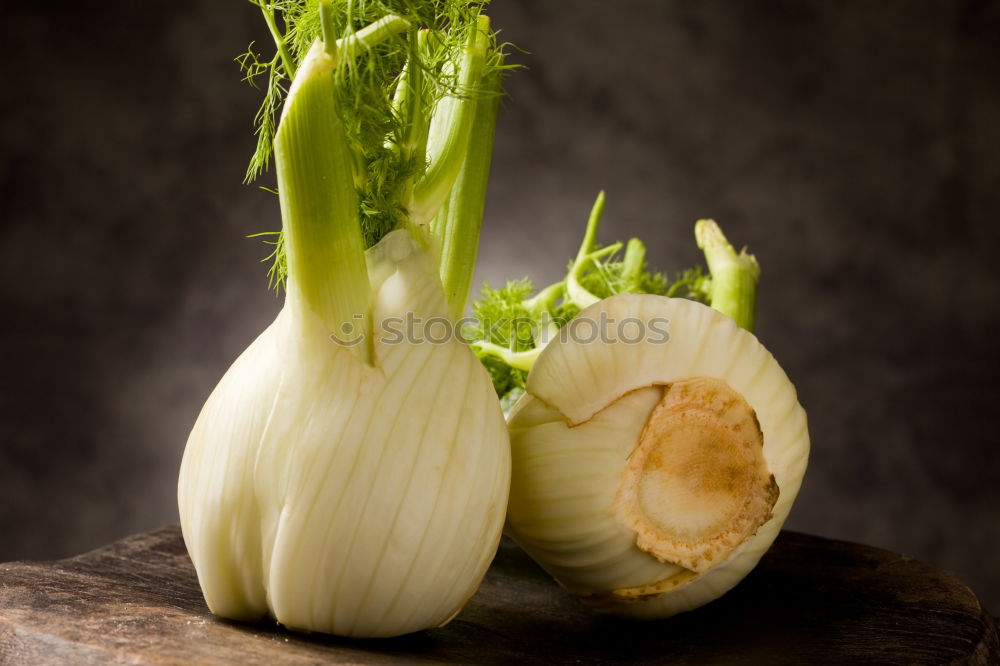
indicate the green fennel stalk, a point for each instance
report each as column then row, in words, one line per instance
column 734, row 276
column 412, row 90
column 322, row 236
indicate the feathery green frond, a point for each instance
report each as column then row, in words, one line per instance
column 278, row 271
column 367, row 78
column 511, row 325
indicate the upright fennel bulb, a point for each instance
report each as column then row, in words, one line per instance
column 346, row 475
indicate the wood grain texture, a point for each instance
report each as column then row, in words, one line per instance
column 811, row 600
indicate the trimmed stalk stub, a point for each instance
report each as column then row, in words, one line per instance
column 697, row 484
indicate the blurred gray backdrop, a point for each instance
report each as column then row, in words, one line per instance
column 853, row 146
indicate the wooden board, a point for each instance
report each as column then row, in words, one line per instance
column 811, row 600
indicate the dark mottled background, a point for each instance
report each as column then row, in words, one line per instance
column 854, row 146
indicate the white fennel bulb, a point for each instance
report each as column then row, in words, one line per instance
column 649, row 477
column 349, row 474
column 346, row 497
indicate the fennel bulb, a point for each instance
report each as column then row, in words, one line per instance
column 641, row 479
column 346, row 497
column 348, row 476
column 657, row 446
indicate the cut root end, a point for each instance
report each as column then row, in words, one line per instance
column 697, row 485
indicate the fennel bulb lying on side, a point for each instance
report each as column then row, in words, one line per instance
column 650, row 478
column 657, row 445
column 350, row 472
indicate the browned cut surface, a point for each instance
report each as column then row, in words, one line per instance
column 811, row 600
column 697, row 484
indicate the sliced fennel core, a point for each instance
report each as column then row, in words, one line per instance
column 697, row 485
column 342, row 477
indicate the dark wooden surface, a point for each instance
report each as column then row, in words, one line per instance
column 811, row 600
